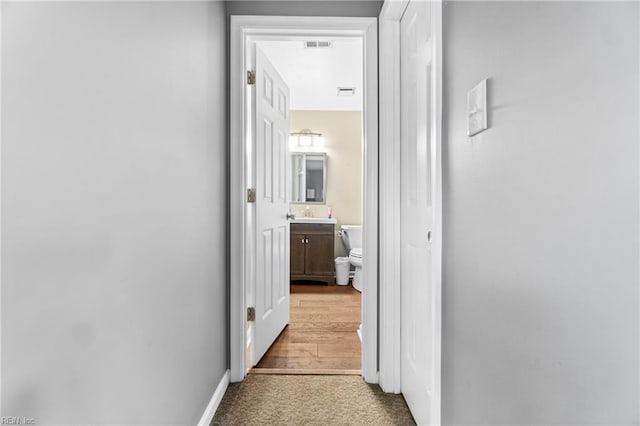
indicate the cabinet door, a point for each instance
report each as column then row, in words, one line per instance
column 319, row 255
column 297, row 253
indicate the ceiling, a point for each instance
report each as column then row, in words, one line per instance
column 314, row 74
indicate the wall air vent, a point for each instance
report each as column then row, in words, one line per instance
column 346, row 91
column 314, row 44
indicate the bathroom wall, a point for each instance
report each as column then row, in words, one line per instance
column 343, row 144
column 540, row 279
column 114, row 189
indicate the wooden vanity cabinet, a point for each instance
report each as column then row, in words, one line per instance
column 311, row 252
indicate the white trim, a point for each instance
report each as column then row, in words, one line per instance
column 1, row 7
column 390, row 16
column 214, row 403
column 237, row 323
column 392, row 10
column 250, row 28
column 436, row 404
column 369, row 327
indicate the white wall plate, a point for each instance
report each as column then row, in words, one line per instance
column 477, row 109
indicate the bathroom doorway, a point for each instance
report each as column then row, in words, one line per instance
column 331, row 327
column 324, row 181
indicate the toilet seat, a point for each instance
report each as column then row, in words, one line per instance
column 355, row 258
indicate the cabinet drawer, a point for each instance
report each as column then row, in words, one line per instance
column 312, row 228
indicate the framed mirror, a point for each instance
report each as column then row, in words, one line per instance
column 309, row 178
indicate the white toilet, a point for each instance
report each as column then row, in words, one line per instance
column 352, row 240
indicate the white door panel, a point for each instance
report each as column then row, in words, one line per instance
column 272, row 263
column 417, row 150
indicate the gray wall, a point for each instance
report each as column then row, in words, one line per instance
column 114, row 299
column 540, row 288
column 350, row 8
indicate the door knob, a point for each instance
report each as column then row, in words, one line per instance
column 429, row 235
column 291, row 216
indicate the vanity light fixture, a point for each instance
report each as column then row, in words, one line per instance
column 346, row 91
column 306, row 138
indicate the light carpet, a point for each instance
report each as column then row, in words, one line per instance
column 310, row 400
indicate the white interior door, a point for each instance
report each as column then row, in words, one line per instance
column 272, row 228
column 418, row 178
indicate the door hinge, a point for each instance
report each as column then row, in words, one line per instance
column 251, row 195
column 251, row 78
column 251, row 313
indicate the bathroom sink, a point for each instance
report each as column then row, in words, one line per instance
column 303, row 219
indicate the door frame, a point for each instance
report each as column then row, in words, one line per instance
column 246, row 29
column 390, row 271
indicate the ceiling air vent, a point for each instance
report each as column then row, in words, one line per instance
column 346, row 91
column 316, row 44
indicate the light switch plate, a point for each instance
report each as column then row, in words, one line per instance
column 477, row 109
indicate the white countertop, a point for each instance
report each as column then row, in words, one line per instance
column 324, row 220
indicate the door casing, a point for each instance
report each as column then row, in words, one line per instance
column 246, row 30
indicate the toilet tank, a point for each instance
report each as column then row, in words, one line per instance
column 352, row 236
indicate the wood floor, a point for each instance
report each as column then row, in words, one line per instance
column 322, row 333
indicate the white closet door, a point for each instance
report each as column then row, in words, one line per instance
column 418, row 180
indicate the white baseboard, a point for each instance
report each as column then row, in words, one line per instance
column 209, row 412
